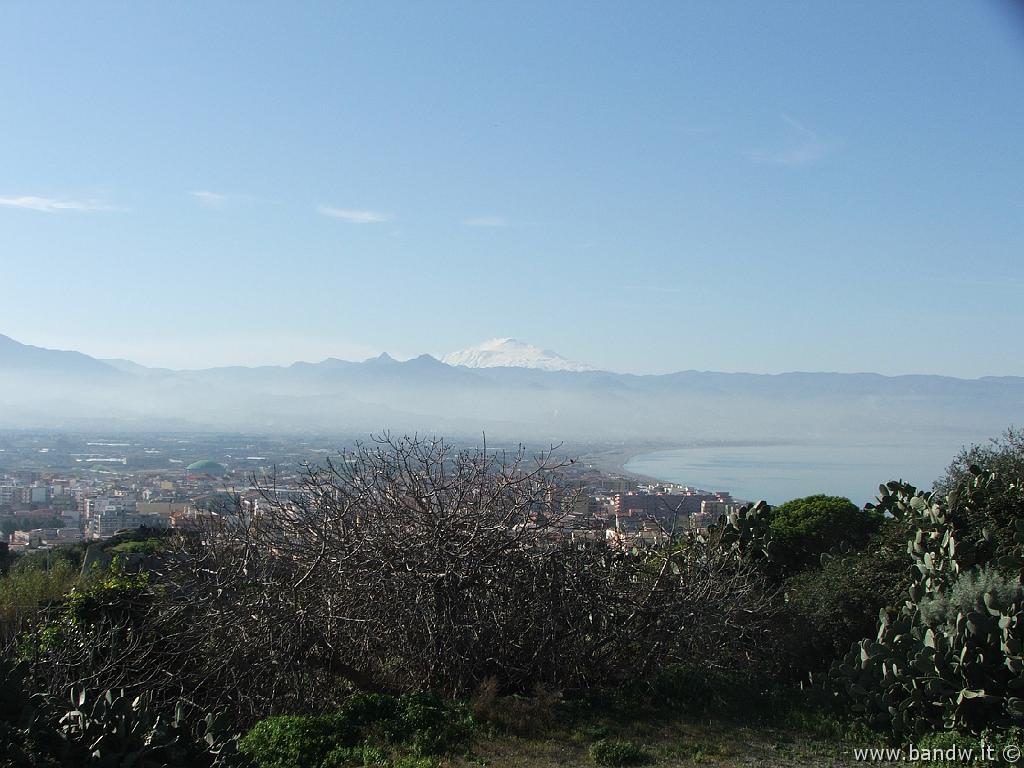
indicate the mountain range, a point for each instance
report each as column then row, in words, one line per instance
column 506, row 388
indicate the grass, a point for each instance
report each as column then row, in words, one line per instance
column 618, row 752
column 682, row 742
column 149, row 546
column 544, row 731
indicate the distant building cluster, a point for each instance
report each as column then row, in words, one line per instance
column 40, row 510
column 626, row 512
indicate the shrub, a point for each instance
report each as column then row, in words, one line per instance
column 149, row 546
column 838, row 603
column 294, row 741
column 618, row 752
column 115, row 591
column 362, row 730
column 110, row 598
column 991, row 527
column 968, row 594
column 431, row 726
column 806, row 528
column 412, row 761
column 26, row 590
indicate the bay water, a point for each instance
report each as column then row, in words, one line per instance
column 779, row 472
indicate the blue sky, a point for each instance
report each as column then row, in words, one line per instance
column 642, row 186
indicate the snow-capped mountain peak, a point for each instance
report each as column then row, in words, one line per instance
column 511, row 353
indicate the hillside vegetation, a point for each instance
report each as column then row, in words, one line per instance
column 423, row 606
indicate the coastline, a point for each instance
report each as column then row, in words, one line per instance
column 614, row 460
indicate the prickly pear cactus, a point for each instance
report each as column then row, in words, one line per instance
column 17, row 715
column 116, row 731
column 107, row 730
column 745, row 531
column 924, row 671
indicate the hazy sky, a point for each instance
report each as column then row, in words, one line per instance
column 640, row 186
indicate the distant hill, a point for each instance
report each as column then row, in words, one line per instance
column 15, row 356
column 129, row 367
column 511, row 390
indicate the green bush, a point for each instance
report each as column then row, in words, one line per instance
column 837, row 604
column 44, row 560
column 26, row 590
column 115, row 594
column 806, row 528
column 104, row 596
column 412, row 761
column 364, row 709
column 295, row 741
column 618, row 752
column 149, row 546
column 430, row 725
column 419, row 722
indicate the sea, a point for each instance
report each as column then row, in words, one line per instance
column 779, row 472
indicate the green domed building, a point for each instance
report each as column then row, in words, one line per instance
column 206, row 467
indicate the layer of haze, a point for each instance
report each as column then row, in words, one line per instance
column 642, row 187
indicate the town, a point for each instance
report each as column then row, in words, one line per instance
column 57, row 490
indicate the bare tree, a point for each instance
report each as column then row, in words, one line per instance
column 408, row 564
